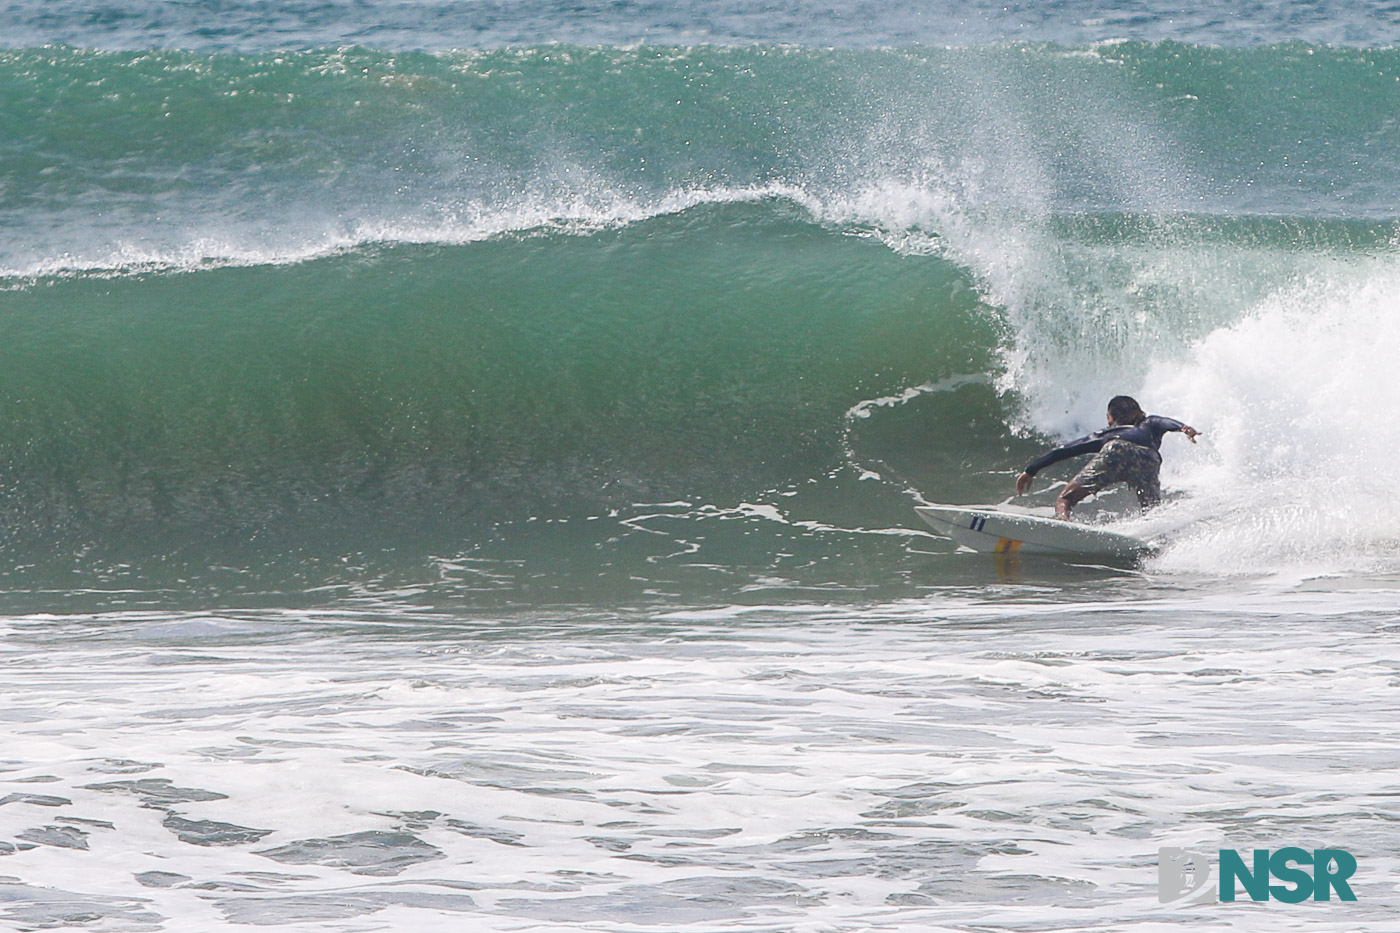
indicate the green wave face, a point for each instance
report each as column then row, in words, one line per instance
column 709, row 355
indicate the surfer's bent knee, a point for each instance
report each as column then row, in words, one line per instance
column 1068, row 498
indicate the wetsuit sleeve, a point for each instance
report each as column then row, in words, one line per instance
column 1085, row 445
column 1163, row 424
column 1160, row 425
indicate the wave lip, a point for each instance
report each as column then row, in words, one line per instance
column 180, row 158
column 530, row 215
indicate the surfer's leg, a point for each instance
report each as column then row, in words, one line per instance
column 1069, row 497
column 1103, row 470
column 1141, row 471
column 1118, row 462
column 1149, row 492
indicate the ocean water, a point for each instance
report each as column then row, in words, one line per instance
column 458, row 462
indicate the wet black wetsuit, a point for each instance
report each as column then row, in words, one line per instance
column 1147, row 433
column 1126, row 453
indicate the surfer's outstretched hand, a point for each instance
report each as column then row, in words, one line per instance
column 1190, row 433
column 1023, row 484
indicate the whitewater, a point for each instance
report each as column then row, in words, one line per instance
column 458, row 463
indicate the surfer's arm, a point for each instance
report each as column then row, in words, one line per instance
column 1085, row 445
column 1171, row 424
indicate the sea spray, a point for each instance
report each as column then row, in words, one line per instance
column 1293, row 398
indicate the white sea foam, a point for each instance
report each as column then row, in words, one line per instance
column 1295, row 469
column 939, row 763
column 580, row 209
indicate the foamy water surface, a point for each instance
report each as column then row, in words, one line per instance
column 1005, row 760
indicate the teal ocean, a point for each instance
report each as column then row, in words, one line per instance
column 458, row 462
column 274, row 309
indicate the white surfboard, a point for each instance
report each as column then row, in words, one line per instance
column 1002, row 532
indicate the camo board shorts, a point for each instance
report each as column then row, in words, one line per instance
column 1121, row 461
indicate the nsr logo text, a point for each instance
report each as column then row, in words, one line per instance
column 1183, row 875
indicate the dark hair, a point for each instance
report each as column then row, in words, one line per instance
column 1125, row 410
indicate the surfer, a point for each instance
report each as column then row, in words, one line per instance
column 1127, row 451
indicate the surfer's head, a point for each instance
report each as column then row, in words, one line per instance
column 1124, row 409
